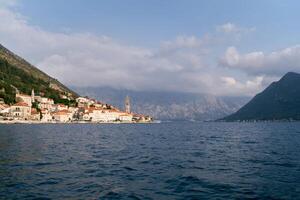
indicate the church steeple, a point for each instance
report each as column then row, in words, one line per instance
column 127, row 104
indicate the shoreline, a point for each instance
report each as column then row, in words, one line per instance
column 74, row 122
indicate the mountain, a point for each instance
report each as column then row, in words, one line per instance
column 17, row 74
column 168, row 105
column 279, row 101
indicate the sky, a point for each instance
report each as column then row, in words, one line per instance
column 232, row 47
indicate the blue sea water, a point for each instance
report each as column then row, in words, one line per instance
column 182, row 160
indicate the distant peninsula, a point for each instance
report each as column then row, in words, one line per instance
column 278, row 102
column 28, row 95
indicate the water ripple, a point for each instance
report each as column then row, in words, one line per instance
column 153, row 161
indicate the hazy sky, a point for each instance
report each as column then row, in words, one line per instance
column 219, row 47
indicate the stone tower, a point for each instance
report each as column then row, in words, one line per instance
column 127, row 104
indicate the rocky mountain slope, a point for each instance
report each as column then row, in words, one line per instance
column 169, row 105
column 279, row 101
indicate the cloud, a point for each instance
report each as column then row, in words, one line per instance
column 249, row 87
column 186, row 63
column 232, row 28
column 87, row 59
column 275, row 63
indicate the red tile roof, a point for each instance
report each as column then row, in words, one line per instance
column 62, row 112
column 21, row 104
column 4, row 106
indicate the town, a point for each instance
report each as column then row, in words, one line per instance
column 37, row 109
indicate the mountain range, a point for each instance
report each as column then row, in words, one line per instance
column 168, row 105
column 279, row 101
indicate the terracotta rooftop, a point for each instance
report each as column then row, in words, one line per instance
column 62, row 112
column 21, row 104
column 4, row 106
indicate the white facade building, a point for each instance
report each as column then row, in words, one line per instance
column 21, row 111
column 62, row 116
column 24, row 98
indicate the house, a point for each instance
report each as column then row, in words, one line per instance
column 44, row 100
column 142, row 118
column 125, row 117
column 46, row 116
column 112, row 115
column 4, row 110
column 21, row 110
column 85, row 102
column 44, row 103
column 62, row 116
column 24, row 98
column 73, row 110
column 60, row 107
column 97, row 114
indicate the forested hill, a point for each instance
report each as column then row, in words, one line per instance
column 18, row 74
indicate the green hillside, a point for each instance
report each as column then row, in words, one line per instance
column 16, row 73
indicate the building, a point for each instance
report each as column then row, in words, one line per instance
column 4, row 110
column 85, row 102
column 21, row 111
column 45, row 103
column 127, row 104
column 62, row 116
column 60, row 107
column 24, row 98
column 46, row 116
column 97, row 115
column 40, row 99
column 125, row 117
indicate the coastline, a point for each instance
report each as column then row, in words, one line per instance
column 72, row 122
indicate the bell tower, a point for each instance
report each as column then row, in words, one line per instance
column 127, row 104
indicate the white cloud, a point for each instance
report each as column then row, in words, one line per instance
column 232, row 28
column 87, row 59
column 227, row 28
column 186, row 63
column 249, row 86
column 229, row 81
column 275, row 63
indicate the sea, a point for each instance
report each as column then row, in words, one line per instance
column 168, row 160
